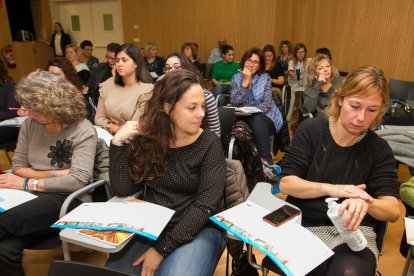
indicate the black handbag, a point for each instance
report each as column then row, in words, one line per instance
column 400, row 114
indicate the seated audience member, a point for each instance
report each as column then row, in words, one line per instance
column 190, row 50
column 64, row 69
column 367, row 186
column 224, row 70
column 60, row 40
column 86, row 55
column 153, row 62
column 61, row 67
column 252, row 87
column 103, row 72
column 297, row 75
column 285, row 49
column 165, row 161
column 177, row 61
column 274, row 69
column 81, row 69
column 120, row 96
column 54, row 157
column 216, row 53
column 323, row 81
column 7, row 100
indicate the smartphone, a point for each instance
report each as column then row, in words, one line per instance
column 281, row 215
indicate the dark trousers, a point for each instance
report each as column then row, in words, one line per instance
column 27, row 221
column 263, row 127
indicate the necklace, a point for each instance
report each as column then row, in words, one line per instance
column 360, row 137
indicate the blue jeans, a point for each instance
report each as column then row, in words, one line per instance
column 263, row 127
column 198, row 257
column 221, row 89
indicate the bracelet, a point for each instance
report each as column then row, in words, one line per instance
column 54, row 173
column 26, row 184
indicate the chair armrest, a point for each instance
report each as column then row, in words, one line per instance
column 84, row 190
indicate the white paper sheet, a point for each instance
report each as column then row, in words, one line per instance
column 10, row 198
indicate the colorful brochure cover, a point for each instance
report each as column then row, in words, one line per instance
column 108, row 236
column 10, row 198
column 292, row 247
column 142, row 218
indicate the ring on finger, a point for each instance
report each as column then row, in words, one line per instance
column 357, row 211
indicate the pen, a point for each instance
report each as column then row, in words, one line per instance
column 14, row 108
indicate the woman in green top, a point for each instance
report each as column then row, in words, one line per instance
column 223, row 71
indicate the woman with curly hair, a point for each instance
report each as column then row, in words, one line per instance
column 165, row 162
column 63, row 68
column 323, row 80
column 53, row 158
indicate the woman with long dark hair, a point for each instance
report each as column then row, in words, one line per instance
column 121, row 95
column 179, row 165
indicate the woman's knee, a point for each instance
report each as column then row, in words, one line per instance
column 198, row 257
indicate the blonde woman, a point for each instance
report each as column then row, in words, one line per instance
column 367, row 184
column 323, row 80
column 154, row 63
column 72, row 54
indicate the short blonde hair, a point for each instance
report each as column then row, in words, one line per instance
column 52, row 96
column 74, row 47
column 148, row 47
column 362, row 82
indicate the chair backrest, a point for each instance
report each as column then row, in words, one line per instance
column 401, row 90
column 226, row 118
column 65, row 268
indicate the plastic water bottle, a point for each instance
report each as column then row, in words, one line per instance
column 353, row 238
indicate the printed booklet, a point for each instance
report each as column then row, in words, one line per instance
column 113, row 237
column 142, row 218
column 10, row 198
column 292, row 247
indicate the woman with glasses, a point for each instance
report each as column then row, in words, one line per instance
column 180, row 166
column 252, row 87
column 122, row 94
column 54, row 157
column 177, row 61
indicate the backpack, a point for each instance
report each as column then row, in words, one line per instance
column 244, row 149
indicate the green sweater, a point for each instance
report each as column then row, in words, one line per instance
column 407, row 192
column 223, row 72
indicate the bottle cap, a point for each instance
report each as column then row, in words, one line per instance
column 331, row 201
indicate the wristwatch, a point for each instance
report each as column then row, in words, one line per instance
column 35, row 183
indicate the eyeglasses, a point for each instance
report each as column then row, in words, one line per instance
column 171, row 68
column 252, row 62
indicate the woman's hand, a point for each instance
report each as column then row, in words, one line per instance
column 322, row 78
column 23, row 112
column 11, row 181
column 127, row 131
column 348, row 191
column 150, row 260
column 247, row 77
column 356, row 209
